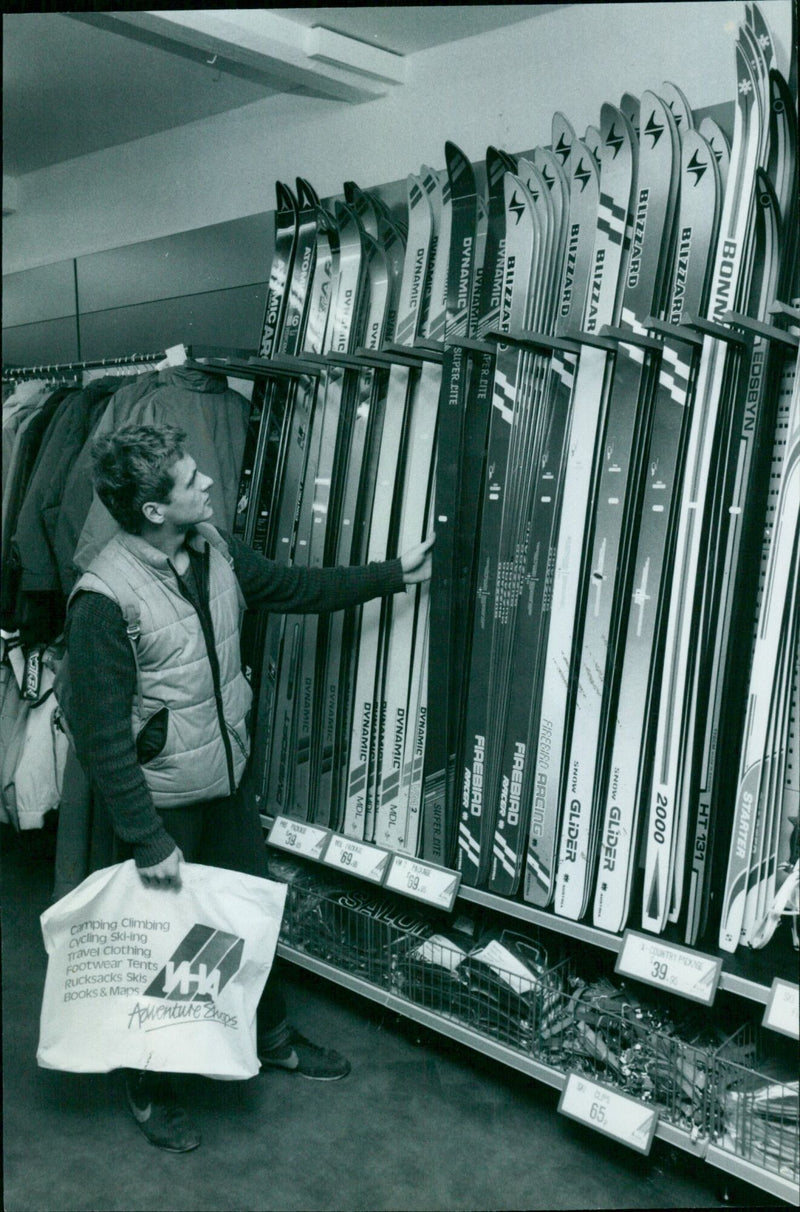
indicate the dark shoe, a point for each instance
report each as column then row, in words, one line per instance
column 299, row 1055
column 158, row 1113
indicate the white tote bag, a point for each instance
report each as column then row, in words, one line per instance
column 148, row 978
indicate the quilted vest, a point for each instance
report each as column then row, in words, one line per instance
column 197, row 761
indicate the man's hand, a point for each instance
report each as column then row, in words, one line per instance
column 417, row 562
column 166, row 874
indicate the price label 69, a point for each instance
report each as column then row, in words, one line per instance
column 368, row 862
column 423, row 881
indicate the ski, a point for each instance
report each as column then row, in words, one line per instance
column 628, row 420
column 360, row 803
column 398, row 716
column 717, row 366
column 699, row 212
column 617, row 190
column 263, row 389
column 729, row 584
column 494, row 586
column 341, row 681
column 304, row 328
column 346, row 548
column 335, row 395
column 444, row 685
column 525, row 763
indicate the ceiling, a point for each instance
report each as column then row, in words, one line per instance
column 71, row 88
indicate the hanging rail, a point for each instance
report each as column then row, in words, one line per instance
column 193, row 351
column 22, row 372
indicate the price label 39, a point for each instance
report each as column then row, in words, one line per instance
column 368, row 862
column 667, row 966
column 607, row 1111
column 298, row 837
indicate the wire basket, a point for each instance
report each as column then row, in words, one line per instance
column 755, row 1109
column 609, row 1034
column 504, row 988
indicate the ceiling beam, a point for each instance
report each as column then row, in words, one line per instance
column 263, row 46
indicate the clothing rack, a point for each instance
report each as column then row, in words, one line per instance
column 66, row 368
column 12, row 373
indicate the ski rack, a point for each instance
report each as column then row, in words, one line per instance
column 421, row 351
column 625, row 336
column 249, row 369
column 786, row 309
column 385, row 361
column 676, row 332
column 737, row 330
column 710, row 328
column 769, row 332
column 471, row 345
column 539, row 342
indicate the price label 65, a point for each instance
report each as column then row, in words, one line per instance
column 607, row 1111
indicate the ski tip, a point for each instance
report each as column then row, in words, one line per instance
column 285, row 198
column 307, row 196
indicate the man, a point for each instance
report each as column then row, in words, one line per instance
column 160, row 705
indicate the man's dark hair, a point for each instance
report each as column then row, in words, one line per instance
column 134, row 465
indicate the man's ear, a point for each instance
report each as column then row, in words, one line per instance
column 153, row 512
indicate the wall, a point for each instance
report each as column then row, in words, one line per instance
column 501, row 87
column 213, row 177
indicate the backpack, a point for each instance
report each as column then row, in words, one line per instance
column 62, row 686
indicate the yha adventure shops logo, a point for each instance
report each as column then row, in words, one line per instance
column 202, row 965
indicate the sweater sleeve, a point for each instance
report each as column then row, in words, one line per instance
column 103, row 682
column 283, row 589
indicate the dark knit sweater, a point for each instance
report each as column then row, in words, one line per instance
column 103, row 674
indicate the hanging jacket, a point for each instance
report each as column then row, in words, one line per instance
column 214, row 420
column 26, row 449
column 68, row 433
column 77, row 492
column 39, row 609
column 190, row 718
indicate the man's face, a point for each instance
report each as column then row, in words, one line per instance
column 188, row 502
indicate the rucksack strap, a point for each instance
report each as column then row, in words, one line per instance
column 133, row 629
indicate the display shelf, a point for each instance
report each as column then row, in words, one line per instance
column 464, row 1035
column 730, row 981
column 765, row 1180
column 699, row 1146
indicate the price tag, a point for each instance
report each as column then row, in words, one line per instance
column 606, row 1110
column 668, row 966
column 783, row 1009
column 297, row 837
column 423, row 881
column 368, row 862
